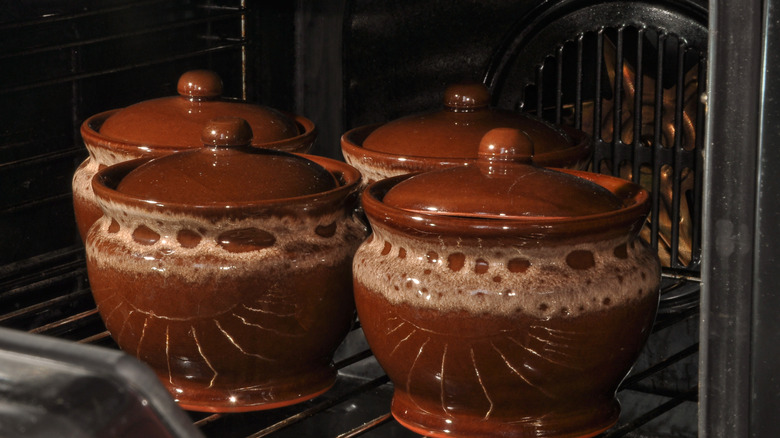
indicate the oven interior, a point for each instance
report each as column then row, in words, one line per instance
column 632, row 74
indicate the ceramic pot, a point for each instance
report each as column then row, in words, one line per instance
column 158, row 127
column 450, row 137
column 504, row 299
column 227, row 269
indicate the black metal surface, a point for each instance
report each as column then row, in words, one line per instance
column 399, row 56
column 64, row 61
column 50, row 387
column 739, row 389
column 765, row 387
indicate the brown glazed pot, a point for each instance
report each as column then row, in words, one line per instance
column 504, row 299
column 227, row 269
column 450, row 137
column 158, row 127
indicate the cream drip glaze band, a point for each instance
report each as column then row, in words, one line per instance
column 290, row 236
column 561, row 281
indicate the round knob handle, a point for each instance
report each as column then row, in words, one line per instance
column 200, row 84
column 465, row 97
column 227, row 132
column 506, row 145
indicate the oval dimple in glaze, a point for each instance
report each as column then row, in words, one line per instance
column 188, row 238
column 246, row 239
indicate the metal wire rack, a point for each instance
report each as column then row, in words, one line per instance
column 663, row 381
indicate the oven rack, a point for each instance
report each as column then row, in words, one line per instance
column 658, row 398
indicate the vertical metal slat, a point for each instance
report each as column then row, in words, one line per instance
column 638, row 97
column 657, row 140
column 559, row 84
column 599, row 55
column 578, row 91
column 677, row 155
column 617, row 98
column 698, row 161
column 540, row 90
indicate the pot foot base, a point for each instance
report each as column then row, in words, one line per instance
column 560, row 425
column 271, row 395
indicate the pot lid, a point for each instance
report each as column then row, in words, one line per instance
column 177, row 121
column 227, row 169
column 502, row 185
column 456, row 130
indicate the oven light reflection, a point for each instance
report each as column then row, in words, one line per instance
column 149, row 201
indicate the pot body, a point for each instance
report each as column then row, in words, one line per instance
column 105, row 151
column 234, row 311
column 503, row 333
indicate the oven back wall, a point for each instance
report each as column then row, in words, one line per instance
column 63, row 61
column 399, row 56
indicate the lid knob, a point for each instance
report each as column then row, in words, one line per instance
column 506, row 145
column 466, row 97
column 200, row 84
column 227, row 132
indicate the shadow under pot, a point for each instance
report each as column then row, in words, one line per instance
column 450, row 137
column 505, row 299
column 227, row 269
column 162, row 126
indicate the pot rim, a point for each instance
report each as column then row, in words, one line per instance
column 90, row 133
column 628, row 219
column 352, row 145
column 349, row 181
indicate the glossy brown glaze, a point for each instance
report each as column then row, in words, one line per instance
column 177, row 121
column 514, row 375
column 455, row 131
column 516, row 326
column 501, row 185
column 450, row 137
column 226, row 169
column 167, row 125
column 236, row 305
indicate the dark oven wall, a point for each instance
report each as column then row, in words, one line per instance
column 399, row 56
column 64, row 61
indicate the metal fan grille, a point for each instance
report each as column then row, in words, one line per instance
column 634, row 87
